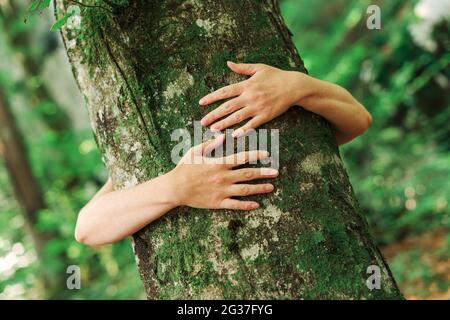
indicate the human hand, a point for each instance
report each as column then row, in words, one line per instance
column 268, row 93
column 211, row 183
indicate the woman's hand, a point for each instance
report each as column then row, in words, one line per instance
column 211, row 183
column 197, row 181
column 270, row 91
column 266, row 95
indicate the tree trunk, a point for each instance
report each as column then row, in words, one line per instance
column 142, row 68
column 32, row 61
column 25, row 186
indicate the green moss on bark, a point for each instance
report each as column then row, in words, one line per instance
column 307, row 241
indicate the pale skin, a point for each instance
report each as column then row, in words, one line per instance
column 203, row 182
column 269, row 92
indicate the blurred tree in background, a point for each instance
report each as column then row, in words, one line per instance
column 51, row 116
column 400, row 168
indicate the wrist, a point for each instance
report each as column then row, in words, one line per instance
column 175, row 190
column 168, row 190
column 307, row 88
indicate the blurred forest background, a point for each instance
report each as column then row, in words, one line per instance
column 50, row 165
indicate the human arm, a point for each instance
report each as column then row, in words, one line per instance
column 197, row 181
column 269, row 92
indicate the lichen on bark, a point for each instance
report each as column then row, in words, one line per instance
column 152, row 62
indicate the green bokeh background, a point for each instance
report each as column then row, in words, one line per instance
column 399, row 168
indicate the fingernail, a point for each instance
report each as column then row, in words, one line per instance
column 214, row 129
column 265, row 154
column 269, row 172
column 269, row 187
column 202, row 101
column 255, row 205
column 204, row 122
column 238, row 133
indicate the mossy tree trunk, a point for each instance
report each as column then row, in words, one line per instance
column 142, row 66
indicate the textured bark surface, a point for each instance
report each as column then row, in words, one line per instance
column 142, row 69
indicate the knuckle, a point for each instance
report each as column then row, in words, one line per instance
column 261, row 95
column 253, row 95
column 238, row 117
column 217, row 179
column 248, row 94
column 248, row 174
column 217, row 199
column 245, row 190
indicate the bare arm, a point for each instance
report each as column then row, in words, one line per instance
column 106, row 188
column 269, row 92
column 113, row 215
column 197, row 181
column 346, row 115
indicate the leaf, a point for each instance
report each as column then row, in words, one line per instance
column 39, row 5
column 34, row 5
column 45, row 4
column 58, row 24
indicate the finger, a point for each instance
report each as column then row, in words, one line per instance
column 250, row 174
column 213, row 144
column 233, row 204
column 209, row 145
column 241, row 158
column 248, row 127
column 247, row 69
column 223, row 110
column 232, row 119
column 230, row 91
column 244, row 190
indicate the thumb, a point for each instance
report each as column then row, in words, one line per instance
column 247, row 69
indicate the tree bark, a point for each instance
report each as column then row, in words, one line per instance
column 142, row 68
column 25, row 186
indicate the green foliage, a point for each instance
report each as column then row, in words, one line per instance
column 61, row 22
column 67, row 164
column 399, row 169
column 39, row 5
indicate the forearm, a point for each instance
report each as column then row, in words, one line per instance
column 198, row 181
column 107, row 188
column 347, row 116
column 112, row 216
